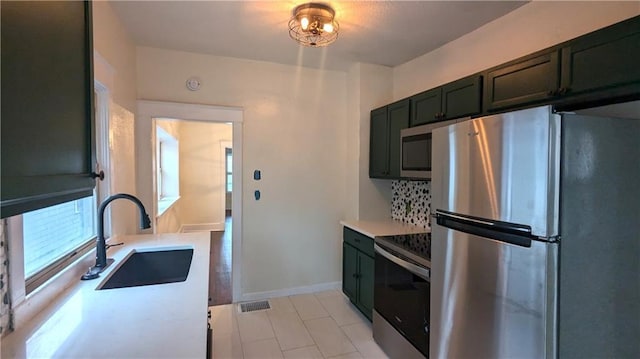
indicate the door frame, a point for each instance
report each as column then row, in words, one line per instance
column 145, row 149
column 223, row 146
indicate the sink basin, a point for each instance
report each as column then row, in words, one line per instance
column 151, row 267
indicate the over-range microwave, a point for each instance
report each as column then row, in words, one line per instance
column 415, row 150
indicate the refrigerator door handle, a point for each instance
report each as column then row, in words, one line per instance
column 497, row 230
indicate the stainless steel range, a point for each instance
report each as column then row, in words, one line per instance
column 401, row 295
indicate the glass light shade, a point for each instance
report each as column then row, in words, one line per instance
column 304, row 23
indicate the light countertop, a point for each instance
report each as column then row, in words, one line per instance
column 155, row 321
column 383, row 227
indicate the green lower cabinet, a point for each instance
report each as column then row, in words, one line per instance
column 358, row 271
column 365, row 281
column 350, row 272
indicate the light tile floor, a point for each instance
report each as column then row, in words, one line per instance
column 318, row 325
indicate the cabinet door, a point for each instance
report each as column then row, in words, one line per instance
column 462, row 98
column 398, row 120
column 379, row 144
column 350, row 272
column 365, row 284
column 531, row 80
column 47, row 104
column 426, row 107
column 604, row 60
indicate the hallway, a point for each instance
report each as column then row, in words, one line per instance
column 220, row 267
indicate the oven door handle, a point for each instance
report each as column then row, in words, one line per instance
column 414, row 269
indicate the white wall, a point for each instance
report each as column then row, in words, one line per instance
column 172, row 127
column 112, row 41
column 202, row 173
column 295, row 132
column 124, row 214
column 369, row 87
column 202, row 176
column 532, row 27
column 117, row 53
column 170, row 221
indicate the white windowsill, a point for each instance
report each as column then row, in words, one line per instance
column 165, row 203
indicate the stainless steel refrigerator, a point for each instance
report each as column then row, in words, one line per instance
column 536, row 237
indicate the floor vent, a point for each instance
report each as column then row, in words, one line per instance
column 253, row 306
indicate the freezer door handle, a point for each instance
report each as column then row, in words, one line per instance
column 512, row 233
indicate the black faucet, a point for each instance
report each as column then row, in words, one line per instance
column 101, row 245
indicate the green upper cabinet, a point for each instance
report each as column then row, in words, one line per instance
column 426, row 107
column 606, row 60
column 47, row 104
column 379, row 144
column 398, row 120
column 522, row 82
column 462, row 98
column 453, row 100
column 384, row 140
column 594, row 69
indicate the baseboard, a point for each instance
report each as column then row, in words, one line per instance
column 290, row 291
column 202, row 227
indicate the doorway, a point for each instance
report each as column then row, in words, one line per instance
column 193, row 180
column 224, row 231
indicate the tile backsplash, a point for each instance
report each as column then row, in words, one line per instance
column 411, row 202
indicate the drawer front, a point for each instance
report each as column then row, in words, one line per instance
column 358, row 240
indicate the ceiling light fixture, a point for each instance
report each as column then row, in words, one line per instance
column 313, row 25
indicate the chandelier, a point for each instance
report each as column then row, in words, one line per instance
column 313, row 25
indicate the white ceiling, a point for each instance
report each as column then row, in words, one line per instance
column 379, row 32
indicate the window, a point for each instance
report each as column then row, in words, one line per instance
column 49, row 239
column 55, row 235
column 229, row 161
column 167, row 170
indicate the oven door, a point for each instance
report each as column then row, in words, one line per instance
column 401, row 296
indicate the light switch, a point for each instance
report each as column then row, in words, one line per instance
column 256, row 194
column 256, row 175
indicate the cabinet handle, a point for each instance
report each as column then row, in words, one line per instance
column 442, row 116
column 355, row 275
column 436, row 116
column 551, row 93
column 99, row 175
column 563, row 90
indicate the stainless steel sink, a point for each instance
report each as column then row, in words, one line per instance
column 151, row 267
